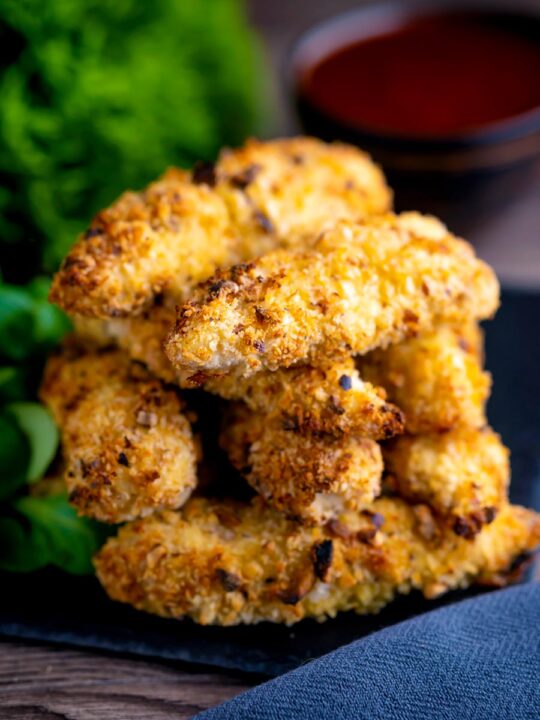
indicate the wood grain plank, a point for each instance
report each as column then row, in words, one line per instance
column 49, row 683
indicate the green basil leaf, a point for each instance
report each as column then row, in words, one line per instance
column 28, row 322
column 38, row 425
column 8, row 375
column 50, row 324
column 45, row 531
column 16, row 322
column 39, row 287
column 23, row 546
column 13, row 383
column 14, row 453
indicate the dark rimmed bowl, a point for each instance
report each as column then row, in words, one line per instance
column 458, row 178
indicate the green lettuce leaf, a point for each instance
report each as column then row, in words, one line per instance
column 29, row 325
column 14, row 454
column 43, row 531
column 100, row 96
column 42, row 435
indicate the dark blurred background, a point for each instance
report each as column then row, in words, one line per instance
column 508, row 237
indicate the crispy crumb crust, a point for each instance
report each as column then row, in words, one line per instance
column 165, row 238
column 329, row 398
column 177, row 231
column 128, row 448
column 141, row 336
column 462, row 474
column 362, row 286
column 310, row 478
column 226, row 563
column 436, row 379
column 283, row 192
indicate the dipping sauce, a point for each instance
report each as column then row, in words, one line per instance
column 433, row 76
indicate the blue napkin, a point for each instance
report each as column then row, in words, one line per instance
column 478, row 659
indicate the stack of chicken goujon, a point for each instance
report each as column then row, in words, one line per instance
column 344, row 343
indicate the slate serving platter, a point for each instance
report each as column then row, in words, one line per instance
column 52, row 606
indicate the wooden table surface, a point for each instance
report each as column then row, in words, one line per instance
column 47, row 682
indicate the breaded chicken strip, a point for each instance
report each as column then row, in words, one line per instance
column 309, row 478
column 177, row 231
column 470, row 336
column 282, row 193
column 328, row 398
column 165, row 238
column 128, row 448
column 436, row 379
column 141, row 336
column 225, row 563
column 363, row 286
column 463, row 474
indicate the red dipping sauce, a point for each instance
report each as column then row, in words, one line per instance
column 431, row 76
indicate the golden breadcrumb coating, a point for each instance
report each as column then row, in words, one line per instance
column 167, row 237
column 309, row 478
column 282, row 192
column 436, row 379
column 328, row 398
column 178, row 230
column 362, row 286
column 226, row 563
column 470, row 336
column 127, row 447
column 94, row 332
column 141, row 336
column 462, row 474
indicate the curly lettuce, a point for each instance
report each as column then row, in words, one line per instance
column 101, row 96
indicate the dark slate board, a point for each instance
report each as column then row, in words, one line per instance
column 54, row 607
